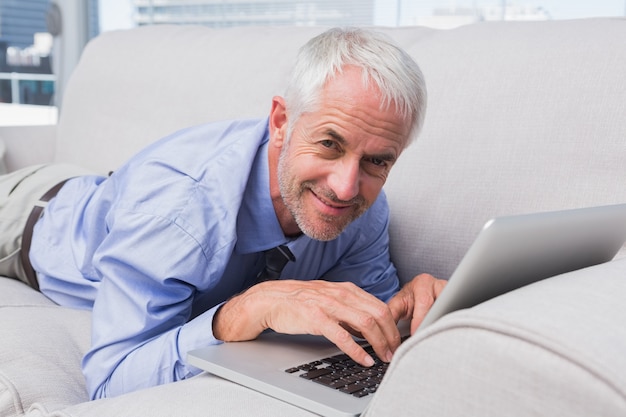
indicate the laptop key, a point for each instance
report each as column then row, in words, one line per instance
column 341, row 373
column 316, row 373
column 352, row 388
column 361, row 394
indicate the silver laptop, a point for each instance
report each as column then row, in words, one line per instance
column 508, row 253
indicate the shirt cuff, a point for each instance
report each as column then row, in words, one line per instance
column 196, row 334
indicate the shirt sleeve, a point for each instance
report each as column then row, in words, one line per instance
column 140, row 328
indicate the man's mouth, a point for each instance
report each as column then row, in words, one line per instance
column 330, row 206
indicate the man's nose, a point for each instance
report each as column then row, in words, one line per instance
column 345, row 179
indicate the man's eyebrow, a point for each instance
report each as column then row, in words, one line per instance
column 333, row 134
column 387, row 157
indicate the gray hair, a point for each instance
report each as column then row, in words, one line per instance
column 394, row 72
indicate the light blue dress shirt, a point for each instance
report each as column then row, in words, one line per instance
column 158, row 246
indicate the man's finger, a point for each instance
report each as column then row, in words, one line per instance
column 333, row 310
column 426, row 290
column 415, row 299
column 375, row 324
column 345, row 342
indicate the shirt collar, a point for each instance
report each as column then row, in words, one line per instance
column 257, row 225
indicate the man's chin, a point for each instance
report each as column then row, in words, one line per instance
column 325, row 231
column 322, row 236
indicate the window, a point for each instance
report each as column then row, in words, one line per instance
column 25, row 68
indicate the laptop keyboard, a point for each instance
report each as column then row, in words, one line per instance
column 343, row 374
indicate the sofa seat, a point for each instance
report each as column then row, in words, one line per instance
column 41, row 349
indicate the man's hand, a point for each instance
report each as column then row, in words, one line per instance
column 334, row 310
column 415, row 299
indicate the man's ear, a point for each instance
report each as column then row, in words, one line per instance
column 278, row 122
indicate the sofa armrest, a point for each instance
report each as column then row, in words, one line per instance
column 551, row 348
column 28, row 145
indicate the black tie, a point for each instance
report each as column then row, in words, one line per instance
column 275, row 261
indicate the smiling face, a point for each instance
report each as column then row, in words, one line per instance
column 337, row 159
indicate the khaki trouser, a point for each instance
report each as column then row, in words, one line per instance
column 19, row 191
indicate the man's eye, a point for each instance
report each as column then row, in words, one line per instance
column 378, row 162
column 328, row 143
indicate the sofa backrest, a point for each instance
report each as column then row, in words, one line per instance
column 522, row 116
column 132, row 87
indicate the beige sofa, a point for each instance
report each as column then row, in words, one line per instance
column 522, row 117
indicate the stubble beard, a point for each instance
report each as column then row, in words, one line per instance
column 326, row 227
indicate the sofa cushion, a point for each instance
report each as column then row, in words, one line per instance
column 201, row 396
column 522, row 117
column 554, row 348
column 41, row 348
column 174, row 77
column 15, row 293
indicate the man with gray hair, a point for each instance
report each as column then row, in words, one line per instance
column 221, row 231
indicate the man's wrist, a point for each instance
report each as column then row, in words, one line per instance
column 217, row 332
column 236, row 320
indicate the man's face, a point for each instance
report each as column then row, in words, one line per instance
column 337, row 160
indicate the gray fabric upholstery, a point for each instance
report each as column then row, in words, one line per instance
column 41, row 346
column 522, row 117
column 554, row 348
column 204, row 395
